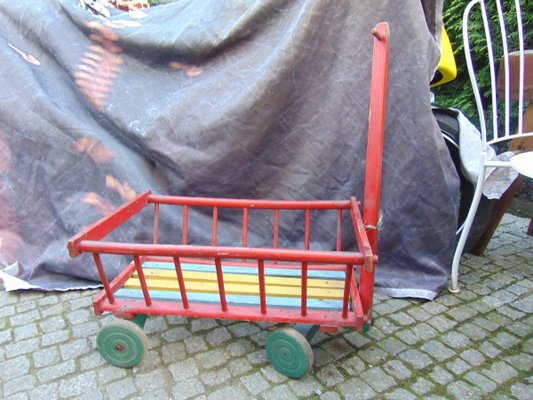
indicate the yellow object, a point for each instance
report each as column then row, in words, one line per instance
column 240, row 284
column 447, row 69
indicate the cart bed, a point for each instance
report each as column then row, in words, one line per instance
column 282, row 285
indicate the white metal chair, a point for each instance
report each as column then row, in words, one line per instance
column 497, row 127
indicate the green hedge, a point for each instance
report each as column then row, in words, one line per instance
column 458, row 93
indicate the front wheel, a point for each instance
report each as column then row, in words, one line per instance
column 122, row 343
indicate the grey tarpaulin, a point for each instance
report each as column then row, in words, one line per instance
column 245, row 98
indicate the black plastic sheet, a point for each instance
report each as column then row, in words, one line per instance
column 240, row 99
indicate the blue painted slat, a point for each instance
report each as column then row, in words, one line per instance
column 214, row 298
column 312, row 274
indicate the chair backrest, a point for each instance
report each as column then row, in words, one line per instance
column 487, row 22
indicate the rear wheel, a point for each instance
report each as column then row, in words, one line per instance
column 289, row 352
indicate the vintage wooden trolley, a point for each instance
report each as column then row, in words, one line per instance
column 309, row 288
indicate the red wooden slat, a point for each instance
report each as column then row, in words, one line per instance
column 347, row 284
column 262, row 289
column 221, row 290
column 339, row 230
column 103, row 277
column 307, row 228
column 156, row 223
column 181, row 282
column 142, row 280
column 304, row 289
column 215, row 225
column 185, row 225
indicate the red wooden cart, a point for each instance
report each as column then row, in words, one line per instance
column 309, row 288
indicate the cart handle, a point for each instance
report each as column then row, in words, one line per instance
column 108, row 224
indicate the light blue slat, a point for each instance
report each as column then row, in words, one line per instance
column 311, row 274
column 283, row 302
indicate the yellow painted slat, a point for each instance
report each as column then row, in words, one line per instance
column 242, row 278
column 235, row 288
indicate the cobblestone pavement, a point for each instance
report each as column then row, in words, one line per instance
column 476, row 344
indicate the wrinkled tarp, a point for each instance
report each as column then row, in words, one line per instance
column 240, row 99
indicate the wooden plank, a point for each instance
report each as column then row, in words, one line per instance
column 228, row 268
column 282, row 302
column 234, row 288
column 240, row 278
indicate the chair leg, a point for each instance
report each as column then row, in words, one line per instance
column 454, row 287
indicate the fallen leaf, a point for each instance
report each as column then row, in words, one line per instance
column 190, row 70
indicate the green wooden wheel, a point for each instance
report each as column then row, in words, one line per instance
column 289, row 352
column 122, row 343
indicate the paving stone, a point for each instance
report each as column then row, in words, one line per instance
column 121, row 389
column 458, row 366
column 480, row 381
column 462, row 390
column 56, row 371
column 421, row 332
column 437, row 350
column 393, row 346
column 520, row 329
column 441, row 376
column 183, row 370
column 373, row 355
column 74, row 349
column 24, row 318
column 353, row 366
column 486, row 324
column 456, row 340
column 52, row 324
column 473, row 331
column 441, row 323
column 330, row 376
column 151, row 382
column 322, row 357
column 522, row 391
column 212, row 359
column 255, row 383
column 422, row 386
column 522, row 362
column 202, row 324
column 173, row 352
column 416, row 358
column 20, row 384
column 26, row 332
column 45, row 392
column 525, row 305
column 108, row 373
column 330, row 396
column 257, row 357
column 18, row 348
column 218, row 336
column 52, row 338
column 195, row 344
column 91, row 360
column 155, row 325
column 282, row 392
column 400, row 394
column 505, row 340
column 243, row 329
column 356, row 388
column 489, row 350
column 358, row 340
column 78, row 385
column 176, row 334
column 91, row 328
column 14, row 367
column 6, row 336
column 461, row 313
column 45, row 357
column 216, row 377
column 500, row 372
column 397, row 369
column 240, row 347
column 378, row 379
column 473, row 357
column 403, row 319
column 79, row 316
column 230, row 392
column 338, row 348
column 240, row 366
column 271, row 375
